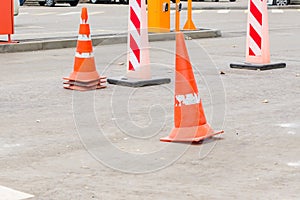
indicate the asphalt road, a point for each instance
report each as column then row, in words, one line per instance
column 51, row 137
column 63, row 21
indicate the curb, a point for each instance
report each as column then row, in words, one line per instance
column 240, row 7
column 47, row 44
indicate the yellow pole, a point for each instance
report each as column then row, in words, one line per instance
column 189, row 25
column 177, row 16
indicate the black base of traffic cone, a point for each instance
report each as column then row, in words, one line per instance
column 130, row 82
column 257, row 66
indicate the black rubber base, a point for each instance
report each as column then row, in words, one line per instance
column 123, row 81
column 257, row 66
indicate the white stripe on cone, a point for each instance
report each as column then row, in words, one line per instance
column 84, row 38
column 258, row 4
column 136, row 8
column 133, row 59
column 84, row 55
column 255, row 24
column 134, row 33
column 254, row 47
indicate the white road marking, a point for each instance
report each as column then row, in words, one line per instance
column 23, row 13
column 291, row 133
column 11, row 145
column 69, row 13
column 34, row 27
column 45, row 13
column 277, row 11
column 94, row 31
column 10, row 194
column 95, row 13
column 294, row 164
column 289, row 125
column 198, row 11
column 223, row 11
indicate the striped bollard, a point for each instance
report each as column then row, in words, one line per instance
column 257, row 42
column 138, row 65
column 138, row 61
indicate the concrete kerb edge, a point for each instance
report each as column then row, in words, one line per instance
column 241, row 7
column 101, row 40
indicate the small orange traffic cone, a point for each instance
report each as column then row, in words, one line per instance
column 84, row 77
column 189, row 117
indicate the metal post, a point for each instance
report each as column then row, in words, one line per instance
column 177, row 16
column 189, row 25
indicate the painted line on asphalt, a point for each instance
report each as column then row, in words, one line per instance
column 23, row 13
column 63, row 33
column 291, row 132
column 34, row 27
column 45, row 13
column 294, row 164
column 96, row 13
column 11, row 145
column 105, row 30
column 277, row 11
column 198, row 11
column 289, row 125
column 223, row 11
column 11, row 194
column 69, row 13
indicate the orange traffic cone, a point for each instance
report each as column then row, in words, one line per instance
column 189, row 117
column 84, row 77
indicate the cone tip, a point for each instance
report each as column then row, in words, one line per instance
column 84, row 14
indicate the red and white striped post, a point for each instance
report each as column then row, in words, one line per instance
column 257, row 42
column 138, row 45
column 138, row 59
column 258, row 48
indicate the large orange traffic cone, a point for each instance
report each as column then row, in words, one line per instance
column 84, row 77
column 189, row 117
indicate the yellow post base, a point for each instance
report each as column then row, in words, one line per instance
column 189, row 25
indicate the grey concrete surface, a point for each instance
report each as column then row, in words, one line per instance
column 37, row 28
column 56, row 43
column 41, row 28
column 50, row 136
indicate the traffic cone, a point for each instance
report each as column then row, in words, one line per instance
column 189, row 118
column 257, row 42
column 138, row 61
column 84, row 76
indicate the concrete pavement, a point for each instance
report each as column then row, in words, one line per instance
column 41, row 151
column 41, row 28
